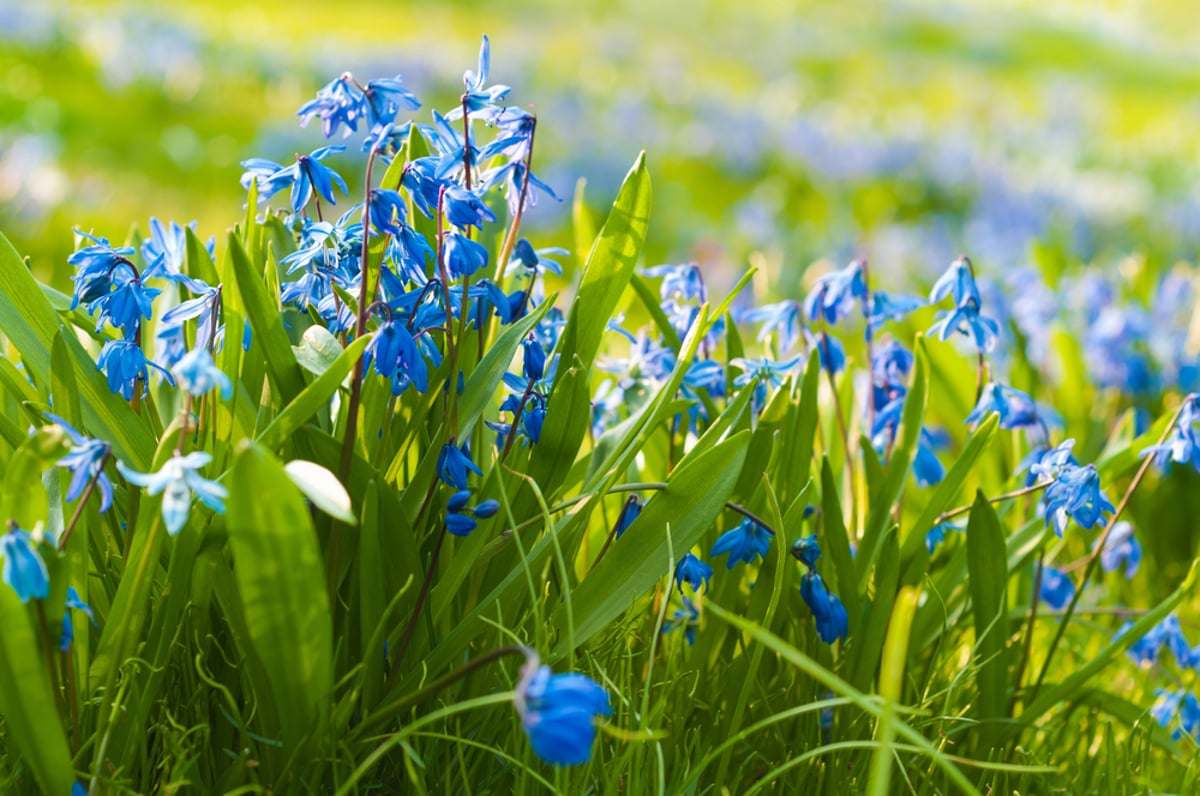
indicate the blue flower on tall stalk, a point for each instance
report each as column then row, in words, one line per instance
column 1121, row 547
column 1183, row 444
column 558, row 712
column 126, row 368
column 807, row 550
column 393, row 353
column 1172, row 704
column 833, row 295
column 687, row 617
column 479, row 96
column 1057, row 588
column 463, row 256
column 304, row 177
column 744, row 542
column 85, row 461
column 683, row 280
column 460, row 518
column 827, row 609
column 535, row 261
column 1046, row 463
column 24, row 570
column 1016, row 409
column 959, row 282
column 96, row 264
column 782, row 319
column 126, row 304
column 387, row 211
column 692, row 571
column 886, row 307
column 465, row 209
column 166, row 251
column 629, row 512
column 178, row 481
column 454, row 463
column 68, row 628
column 1076, row 493
column 967, row 320
column 198, row 374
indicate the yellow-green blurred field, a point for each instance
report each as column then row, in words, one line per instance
column 905, row 131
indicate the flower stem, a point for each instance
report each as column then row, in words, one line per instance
column 1029, row 490
column 510, row 240
column 83, row 499
column 1095, row 556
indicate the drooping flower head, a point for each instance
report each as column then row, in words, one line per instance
column 692, row 571
column 1057, row 588
column 24, row 570
column 85, row 461
column 745, row 542
column 178, row 481
column 198, row 374
column 558, row 712
column 827, row 609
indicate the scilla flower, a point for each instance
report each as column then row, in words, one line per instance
column 1076, row 493
column 178, row 481
column 827, row 609
column 459, row 519
column 1057, row 588
column 454, row 463
column 629, row 513
column 1121, row 547
column 745, row 542
column 197, row 374
column 692, row 571
column 24, row 569
column 85, row 461
column 558, row 712
column 126, row 368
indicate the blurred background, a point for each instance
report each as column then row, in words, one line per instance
column 909, row 133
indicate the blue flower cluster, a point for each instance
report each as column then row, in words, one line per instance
column 558, row 712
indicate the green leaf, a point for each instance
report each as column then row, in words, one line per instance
column 987, row 568
column 27, row 700
column 695, row 494
column 24, row 500
column 269, row 335
column 318, row 350
column 609, row 268
column 281, row 582
column 837, row 543
column 876, row 615
column 312, row 398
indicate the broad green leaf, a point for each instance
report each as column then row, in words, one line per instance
column 609, row 267
column 581, row 220
column 988, row 575
column 695, row 494
column 876, row 615
column 312, row 397
column 269, row 335
column 27, row 701
column 281, row 582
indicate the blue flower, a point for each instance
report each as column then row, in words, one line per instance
column 178, row 481
column 166, row 251
column 745, row 542
column 96, row 264
column 833, row 295
column 24, row 569
column 85, row 461
column 807, row 550
column 558, row 712
column 927, row 470
column 827, row 609
column 1076, row 493
column 454, row 463
column 478, row 96
column 830, row 352
column 886, row 307
column 459, row 519
column 692, row 571
column 782, row 319
column 937, row 535
column 386, row 211
column 126, row 368
column 959, row 282
column 198, row 374
column 1057, row 588
column 1182, row 704
column 535, row 261
column 465, row 209
column 463, row 256
column 629, row 513
column 1016, row 409
column 1121, row 547
column 890, row 364
column 339, row 102
column 1183, row 444
column 393, row 353
column 304, row 176
column 684, row 281
column 126, row 304
column 513, row 175
column 68, row 629
column 966, row 319
column 687, row 617
column 1047, row 463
